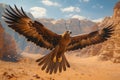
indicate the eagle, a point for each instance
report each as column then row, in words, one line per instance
column 37, row 33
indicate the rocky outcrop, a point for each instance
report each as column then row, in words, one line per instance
column 8, row 50
column 116, row 13
column 110, row 49
column 1, row 40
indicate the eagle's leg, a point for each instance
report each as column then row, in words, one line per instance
column 55, row 59
column 61, row 51
column 60, row 59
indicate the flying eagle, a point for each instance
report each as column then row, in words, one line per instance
column 37, row 33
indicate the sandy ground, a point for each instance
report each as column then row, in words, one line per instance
column 81, row 69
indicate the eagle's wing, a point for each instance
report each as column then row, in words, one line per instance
column 34, row 31
column 81, row 41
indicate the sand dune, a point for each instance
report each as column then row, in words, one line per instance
column 81, row 69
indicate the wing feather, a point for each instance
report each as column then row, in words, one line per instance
column 34, row 31
column 81, row 41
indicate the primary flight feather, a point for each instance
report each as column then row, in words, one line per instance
column 37, row 33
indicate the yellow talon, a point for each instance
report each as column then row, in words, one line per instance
column 60, row 59
column 54, row 59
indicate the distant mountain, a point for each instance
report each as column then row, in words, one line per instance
column 59, row 26
column 75, row 25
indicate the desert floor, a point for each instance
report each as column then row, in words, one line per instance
column 81, row 69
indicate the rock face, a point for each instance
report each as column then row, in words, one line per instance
column 8, row 49
column 110, row 49
column 1, row 39
column 116, row 11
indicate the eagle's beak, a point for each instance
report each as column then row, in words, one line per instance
column 70, row 32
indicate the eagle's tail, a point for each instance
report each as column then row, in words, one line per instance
column 51, row 63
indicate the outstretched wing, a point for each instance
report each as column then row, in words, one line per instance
column 81, row 41
column 34, row 31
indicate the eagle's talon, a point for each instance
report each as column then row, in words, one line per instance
column 60, row 59
column 54, row 59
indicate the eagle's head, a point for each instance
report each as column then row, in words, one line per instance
column 69, row 32
column 66, row 34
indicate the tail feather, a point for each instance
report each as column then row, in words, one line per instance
column 60, row 66
column 39, row 59
column 56, row 67
column 67, row 63
column 43, row 59
column 45, row 64
column 63, row 64
column 50, row 66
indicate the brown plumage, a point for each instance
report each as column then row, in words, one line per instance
column 37, row 33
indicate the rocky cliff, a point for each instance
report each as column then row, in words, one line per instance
column 110, row 49
column 8, row 49
column 1, row 39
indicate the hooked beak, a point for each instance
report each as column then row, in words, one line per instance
column 70, row 32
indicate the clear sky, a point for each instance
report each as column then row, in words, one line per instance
column 57, row 9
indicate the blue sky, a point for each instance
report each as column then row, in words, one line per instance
column 57, row 9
